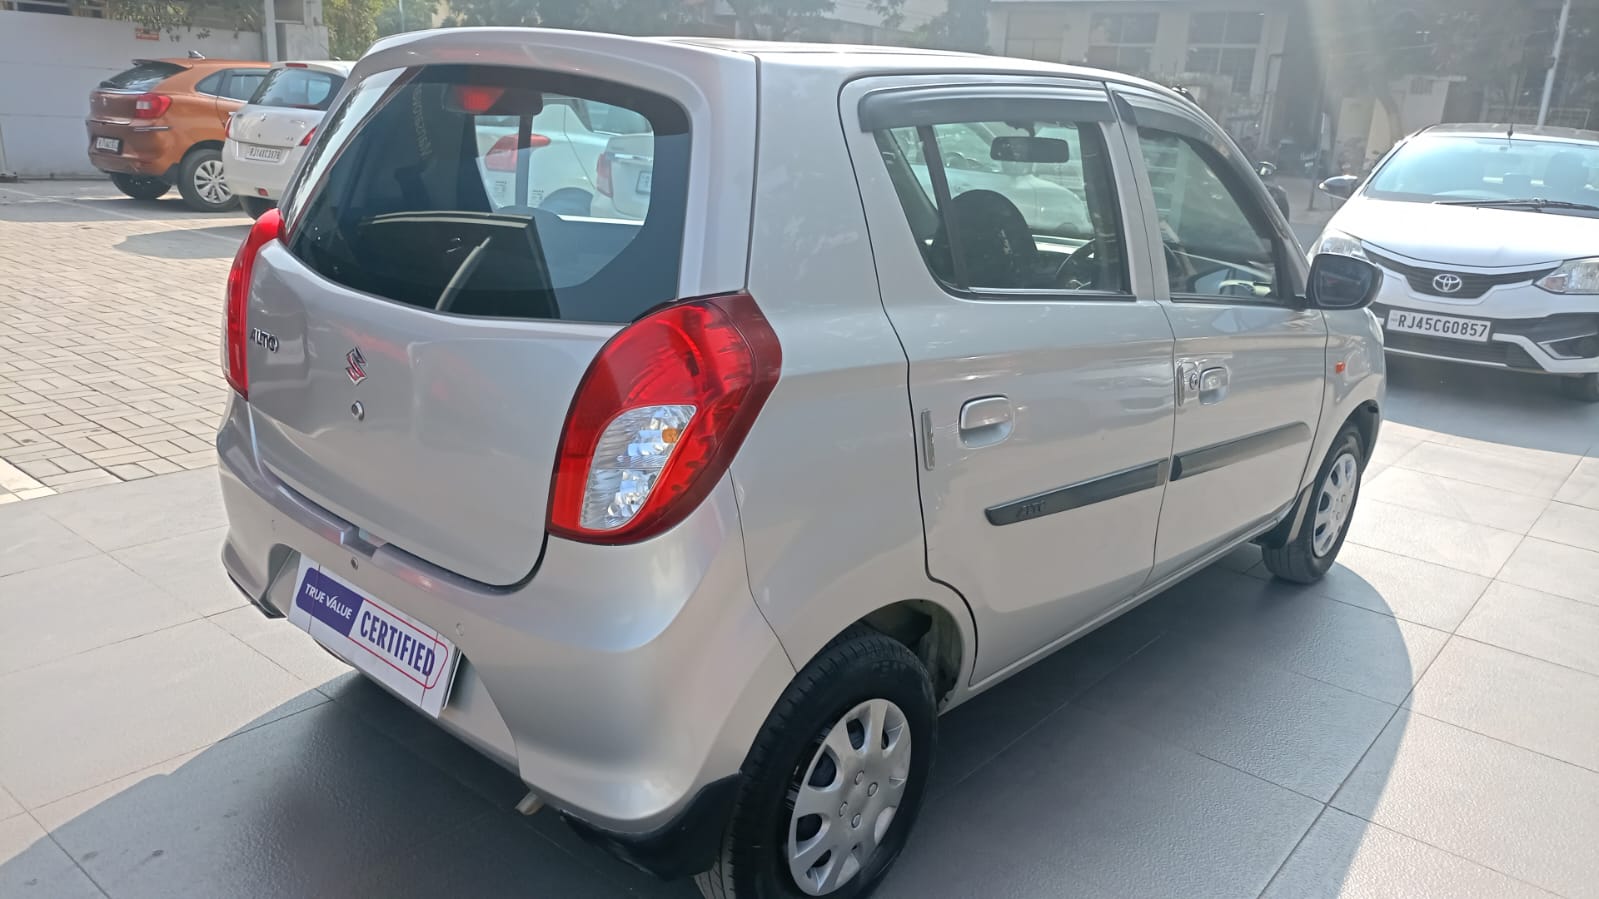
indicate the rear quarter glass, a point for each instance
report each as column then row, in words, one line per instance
column 400, row 201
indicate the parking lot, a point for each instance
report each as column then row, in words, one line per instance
column 1425, row 722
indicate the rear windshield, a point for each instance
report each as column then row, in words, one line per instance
column 297, row 88
column 478, row 190
column 142, row 77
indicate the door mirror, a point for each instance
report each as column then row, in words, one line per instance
column 1340, row 186
column 1265, row 169
column 1341, row 282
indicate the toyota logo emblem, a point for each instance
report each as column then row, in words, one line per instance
column 1446, row 283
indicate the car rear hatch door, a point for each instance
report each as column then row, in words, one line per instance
column 115, row 98
column 416, row 346
column 272, row 126
column 287, row 106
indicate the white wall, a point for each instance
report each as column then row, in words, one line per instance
column 48, row 65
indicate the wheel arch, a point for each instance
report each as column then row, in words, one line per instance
column 942, row 638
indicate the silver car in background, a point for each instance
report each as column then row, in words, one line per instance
column 266, row 138
column 697, row 515
column 1488, row 237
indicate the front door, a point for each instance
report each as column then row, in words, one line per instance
column 1250, row 358
column 1041, row 380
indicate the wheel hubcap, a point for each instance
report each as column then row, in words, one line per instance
column 1334, row 503
column 209, row 184
column 846, row 802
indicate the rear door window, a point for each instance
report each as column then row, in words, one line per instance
column 425, row 197
column 142, row 77
column 242, row 83
column 297, row 89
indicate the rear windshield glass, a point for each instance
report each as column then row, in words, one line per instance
column 490, row 191
column 297, row 88
column 142, row 76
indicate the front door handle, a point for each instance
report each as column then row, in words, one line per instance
column 986, row 421
column 1212, row 385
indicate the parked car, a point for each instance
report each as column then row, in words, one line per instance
column 161, row 124
column 267, row 137
column 571, row 135
column 697, row 518
column 1488, row 237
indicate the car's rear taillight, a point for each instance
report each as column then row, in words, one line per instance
column 227, row 129
column 267, row 228
column 151, row 106
column 658, row 417
column 306, row 141
column 502, row 156
column 602, row 174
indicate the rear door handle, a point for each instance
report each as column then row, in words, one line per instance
column 1213, row 385
column 986, row 421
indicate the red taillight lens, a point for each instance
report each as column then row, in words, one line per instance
column 306, row 141
column 659, row 416
column 227, row 130
column 151, row 106
column 267, row 228
column 602, row 174
column 502, row 156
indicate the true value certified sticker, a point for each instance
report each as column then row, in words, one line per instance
column 404, row 654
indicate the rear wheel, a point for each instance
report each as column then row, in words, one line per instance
column 1306, row 558
column 832, row 785
column 201, row 182
column 140, row 187
column 255, row 207
column 1582, row 387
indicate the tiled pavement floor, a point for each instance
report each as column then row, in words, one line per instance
column 1425, row 722
column 110, row 317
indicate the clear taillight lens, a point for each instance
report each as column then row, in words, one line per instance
column 659, row 416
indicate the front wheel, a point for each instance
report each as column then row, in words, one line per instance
column 140, row 187
column 832, row 786
column 201, row 182
column 1583, row 387
column 1306, row 558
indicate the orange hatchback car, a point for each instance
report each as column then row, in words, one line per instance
column 162, row 123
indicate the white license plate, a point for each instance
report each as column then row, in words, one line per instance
column 108, row 144
column 407, row 656
column 1439, row 325
column 644, row 179
column 264, row 154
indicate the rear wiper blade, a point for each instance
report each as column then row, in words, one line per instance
column 1530, row 202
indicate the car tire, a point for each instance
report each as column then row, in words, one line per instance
column 201, row 182
column 1306, row 558
column 568, row 201
column 255, row 207
column 860, row 678
column 140, row 187
column 1583, row 387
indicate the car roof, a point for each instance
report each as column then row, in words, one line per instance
column 1485, row 129
column 849, row 60
column 333, row 66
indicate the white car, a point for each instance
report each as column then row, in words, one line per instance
column 570, row 173
column 1489, row 243
column 269, row 135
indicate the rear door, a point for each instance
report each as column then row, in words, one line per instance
column 1041, row 385
column 429, row 339
column 1251, row 360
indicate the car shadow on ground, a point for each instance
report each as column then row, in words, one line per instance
column 1493, row 405
column 1185, row 749
column 217, row 242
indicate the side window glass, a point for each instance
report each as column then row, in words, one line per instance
column 1211, row 247
column 242, row 84
column 211, row 84
column 1010, row 205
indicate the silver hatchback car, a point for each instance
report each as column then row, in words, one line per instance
column 697, row 515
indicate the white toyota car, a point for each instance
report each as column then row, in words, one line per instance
column 1488, row 238
column 269, row 135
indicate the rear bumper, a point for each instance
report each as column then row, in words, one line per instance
column 255, row 178
column 620, row 683
column 148, row 150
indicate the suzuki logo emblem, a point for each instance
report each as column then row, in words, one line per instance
column 354, row 369
column 1446, row 283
